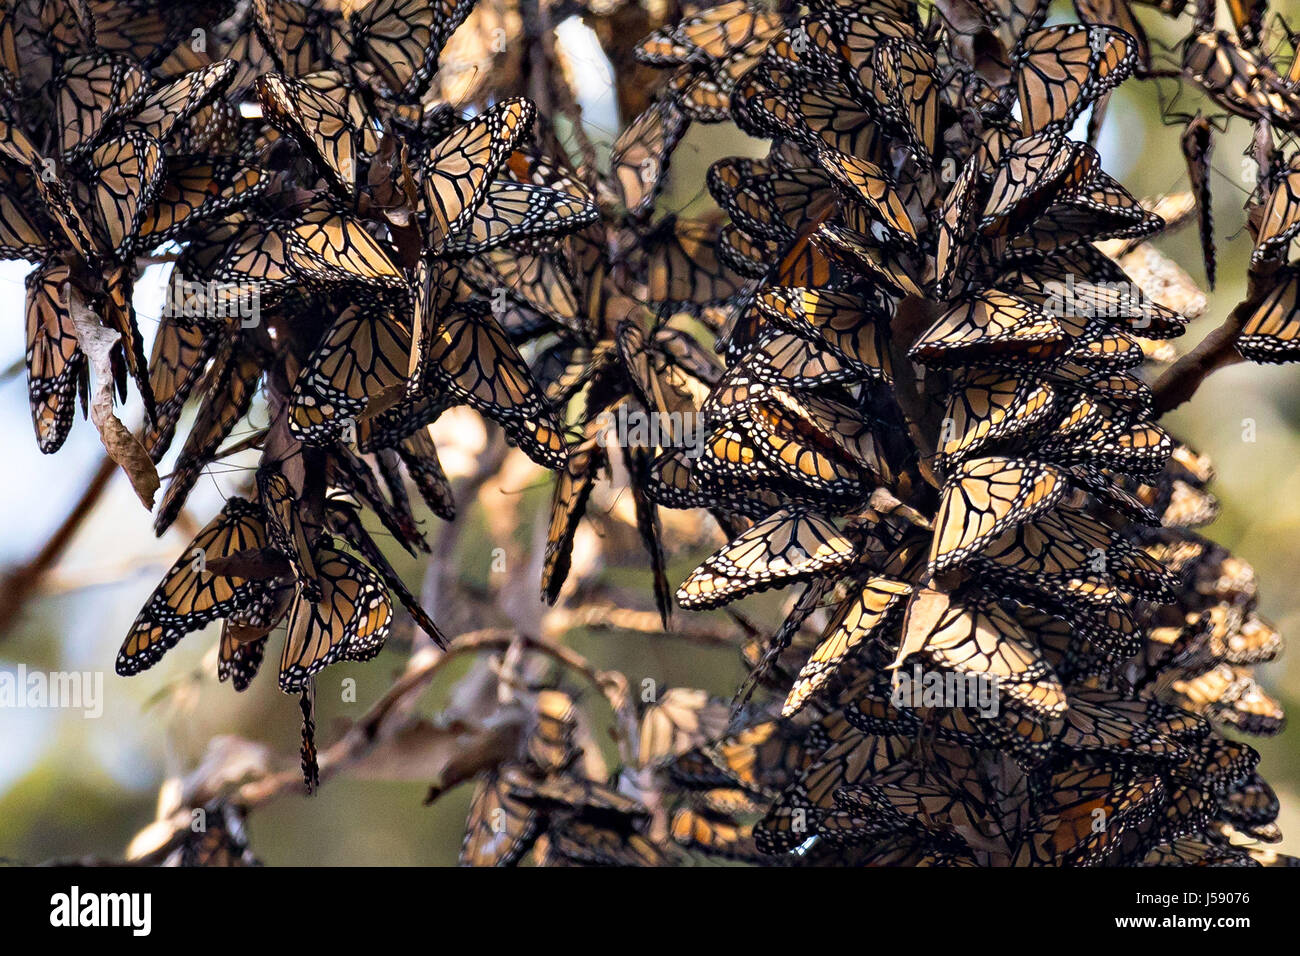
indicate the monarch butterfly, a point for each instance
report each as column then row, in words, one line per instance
column 732, row 394
column 970, row 638
column 1048, row 283
column 1194, row 851
column 1030, row 175
column 1082, row 416
column 1104, row 211
column 712, row 50
column 873, row 186
column 57, row 370
column 285, row 531
column 956, row 222
column 1217, row 765
column 190, row 596
column 675, row 483
column 984, row 498
column 769, row 205
column 1196, row 143
column 790, row 361
column 681, row 720
column 852, row 248
column 1063, row 552
column 788, row 546
column 458, row 171
column 243, row 647
column 895, row 72
column 9, row 64
column 851, row 326
column 148, row 34
column 1226, row 694
column 704, row 98
column 1280, row 221
column 539, row 282
column 815, row 118
column 1186, row 506
column 1247, row 19
column 856, row 622
column 1270, row 334
column 712, row 34
column 196, row 190
column 350, row 474
column 639, row 160
column 401, row 40
column 570, row 793
column 472, row 359
column 1119, row 14
column 583, row 843
column 1238, row 80
column 252, row 253
column 1116, row 351
column 1098, row 614
column 909, row 72
column 349, row 622
column 1075, row 654
column 420, row 456
column 568, row 503
column 729, row 454
column 123, row 175
column 344, row 520
column 227, row 391
column 327, row 130
column 1252, row 803
column 1061, row 70
column 92, row 90
column 500, row 828
column 848, row 757
column 1252, row 641
column 388, row 428
column 325, row 247
column 637, row 461
column 717, row 834
column 1107, row 722
column 551, row 746
column 513, row 211
column 797, row 448
column 1137, row 448
column 362, row 356
column 180, row 356
column 1064, row 833
column 987, row 407
column 668, row 373
column 916, row 797
column 760, row 759
column 683, row 270
column 171, row 105
column 24, row 232
column 299, row 38
column 988, row 323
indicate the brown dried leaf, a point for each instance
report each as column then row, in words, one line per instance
column 124, row 448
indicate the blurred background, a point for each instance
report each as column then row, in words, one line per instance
column 72, row 786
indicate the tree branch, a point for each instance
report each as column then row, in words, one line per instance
column 19, row 584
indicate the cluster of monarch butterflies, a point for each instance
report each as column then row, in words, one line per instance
column 905, row 365
column 935, row 416
column 293, row 160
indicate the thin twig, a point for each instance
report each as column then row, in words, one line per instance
column 602, row 616
column 374, row 726
column 20, row 584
